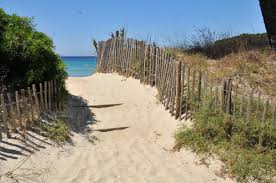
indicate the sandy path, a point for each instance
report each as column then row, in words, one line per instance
column 138, row 154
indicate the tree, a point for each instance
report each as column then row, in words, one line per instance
column 27, row 55
column 268, row 8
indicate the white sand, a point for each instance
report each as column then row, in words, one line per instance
column 138, row 154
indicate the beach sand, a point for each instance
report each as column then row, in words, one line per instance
column 140, row 153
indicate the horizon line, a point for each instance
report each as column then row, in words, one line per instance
column 78, row 55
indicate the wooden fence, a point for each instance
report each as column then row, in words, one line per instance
column 21, row 108
column 182, row 89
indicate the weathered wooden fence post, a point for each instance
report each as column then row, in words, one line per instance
column 36, row 100
column 249, row 105
column 29, row 103
column 18, row 109
column 4, row 115
column 145, row 64
column 55, row 95
column 45, row 96
column 24, row 104
column 188, row 93
column 41, row 96
column 178, row 90
column 223, row 95
column 49, row 96
column 183, row 72
column 229, row 97
column 199, row 87
column 205, row 85
column 173, row 89
column 235, row 99
column 12, row 113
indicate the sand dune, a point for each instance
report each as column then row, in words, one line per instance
column 140, row 153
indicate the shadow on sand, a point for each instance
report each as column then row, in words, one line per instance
column 78, row 119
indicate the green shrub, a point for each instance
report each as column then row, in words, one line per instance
column 248, row 149
column 27, row 55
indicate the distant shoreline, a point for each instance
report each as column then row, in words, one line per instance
column 78, row 56
column 80, row 66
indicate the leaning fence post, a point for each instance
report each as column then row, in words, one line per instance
column 4, row 115
column 178, row 90
column 36, row 99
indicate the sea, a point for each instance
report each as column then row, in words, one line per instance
column 80, row 66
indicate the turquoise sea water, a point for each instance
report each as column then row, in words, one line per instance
column 80, row 66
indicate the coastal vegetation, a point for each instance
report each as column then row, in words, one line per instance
column 216, row 45
column 246, row 57
column 54, row 129
column 27, row 55
column 247, row 148
column 27, row 59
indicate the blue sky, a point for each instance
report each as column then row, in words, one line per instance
column 72, row 24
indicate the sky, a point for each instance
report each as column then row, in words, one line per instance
column 72, row 24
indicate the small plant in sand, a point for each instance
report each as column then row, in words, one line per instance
column 53, row 128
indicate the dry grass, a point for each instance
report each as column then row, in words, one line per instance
column 253, row 68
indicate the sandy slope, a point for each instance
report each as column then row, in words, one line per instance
column 138, row 154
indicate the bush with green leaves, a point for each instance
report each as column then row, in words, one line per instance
column 248, row 148
column 27, row 54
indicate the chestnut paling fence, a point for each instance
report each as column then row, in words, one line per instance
column 21, row 108
column 182, row 89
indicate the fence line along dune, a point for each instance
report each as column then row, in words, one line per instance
column 182, row 88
